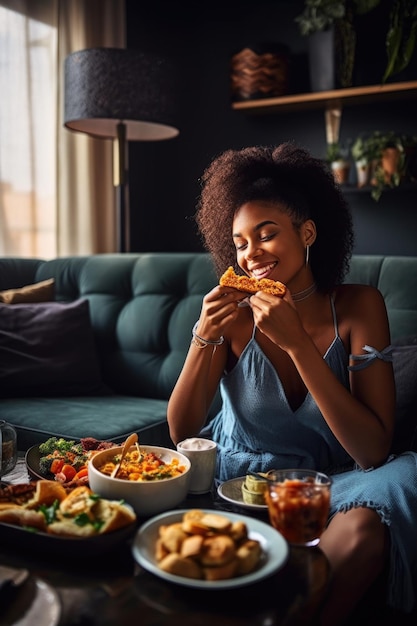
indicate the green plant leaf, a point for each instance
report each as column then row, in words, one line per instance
column 401, row 36
column 364, row 6
column 319, row 15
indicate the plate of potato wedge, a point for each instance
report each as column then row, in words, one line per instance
column 208, row 549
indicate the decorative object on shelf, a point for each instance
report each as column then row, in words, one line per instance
column 123, row 95
column 260, row 71
column 337, row 158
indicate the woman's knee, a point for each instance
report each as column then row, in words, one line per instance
column 358, row 532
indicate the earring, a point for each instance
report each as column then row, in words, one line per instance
column 307, row 254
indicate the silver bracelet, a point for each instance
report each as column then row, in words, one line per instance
column 202, row 343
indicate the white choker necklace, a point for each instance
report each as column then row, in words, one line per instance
column 306, row 293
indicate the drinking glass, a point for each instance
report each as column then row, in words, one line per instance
column 298, row 504
column 8, row 448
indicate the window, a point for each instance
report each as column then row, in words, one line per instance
column 28, row 127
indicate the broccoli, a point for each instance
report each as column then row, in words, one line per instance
column 77, row 449
column 47, row 447
column 45, row 465
column 79, row 461
column 60, row 444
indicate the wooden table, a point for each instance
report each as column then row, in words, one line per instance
column 114, row 590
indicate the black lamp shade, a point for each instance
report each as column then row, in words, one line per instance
column 105, row 86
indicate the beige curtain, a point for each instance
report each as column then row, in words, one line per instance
column 56, row 192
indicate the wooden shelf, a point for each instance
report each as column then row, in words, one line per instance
column 404, row 187
column 329, row 99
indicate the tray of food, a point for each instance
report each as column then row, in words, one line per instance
column 50, row 518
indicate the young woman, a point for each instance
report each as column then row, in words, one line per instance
column 306, row 379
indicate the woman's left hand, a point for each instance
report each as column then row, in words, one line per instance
column 277, row 318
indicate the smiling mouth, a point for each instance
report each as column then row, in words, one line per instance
column 263, row 272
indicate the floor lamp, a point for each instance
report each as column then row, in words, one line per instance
column 123, row 95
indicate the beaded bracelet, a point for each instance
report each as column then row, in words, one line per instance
column 199, row 342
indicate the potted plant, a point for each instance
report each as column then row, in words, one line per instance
column 338, row 162
column 334, row 21
column 389, row 170
column 365, row 152
column 381, row 160
column 326, row 22
column 317, row 22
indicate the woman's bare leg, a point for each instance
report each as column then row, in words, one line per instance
column 356, row 544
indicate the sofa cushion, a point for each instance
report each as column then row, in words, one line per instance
column 48, row 349
column 43, row 291
column 112, row 417
column 405, row 373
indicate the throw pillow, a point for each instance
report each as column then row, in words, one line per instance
column 405, row 373
column 48, row 349
column 43, row 291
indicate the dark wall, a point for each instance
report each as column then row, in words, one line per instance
column 199, row 42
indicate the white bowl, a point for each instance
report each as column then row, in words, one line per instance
column 146, row 498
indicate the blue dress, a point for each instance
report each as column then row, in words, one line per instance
column 257, row 430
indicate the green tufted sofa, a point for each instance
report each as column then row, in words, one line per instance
column 142, row 308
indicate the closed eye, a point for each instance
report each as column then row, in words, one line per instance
column 267, row 237
column 243, row 245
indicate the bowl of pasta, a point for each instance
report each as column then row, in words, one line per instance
column 151, row 479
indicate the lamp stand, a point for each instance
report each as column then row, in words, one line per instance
column 121, row 183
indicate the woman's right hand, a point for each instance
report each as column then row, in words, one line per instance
column 219, row 309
